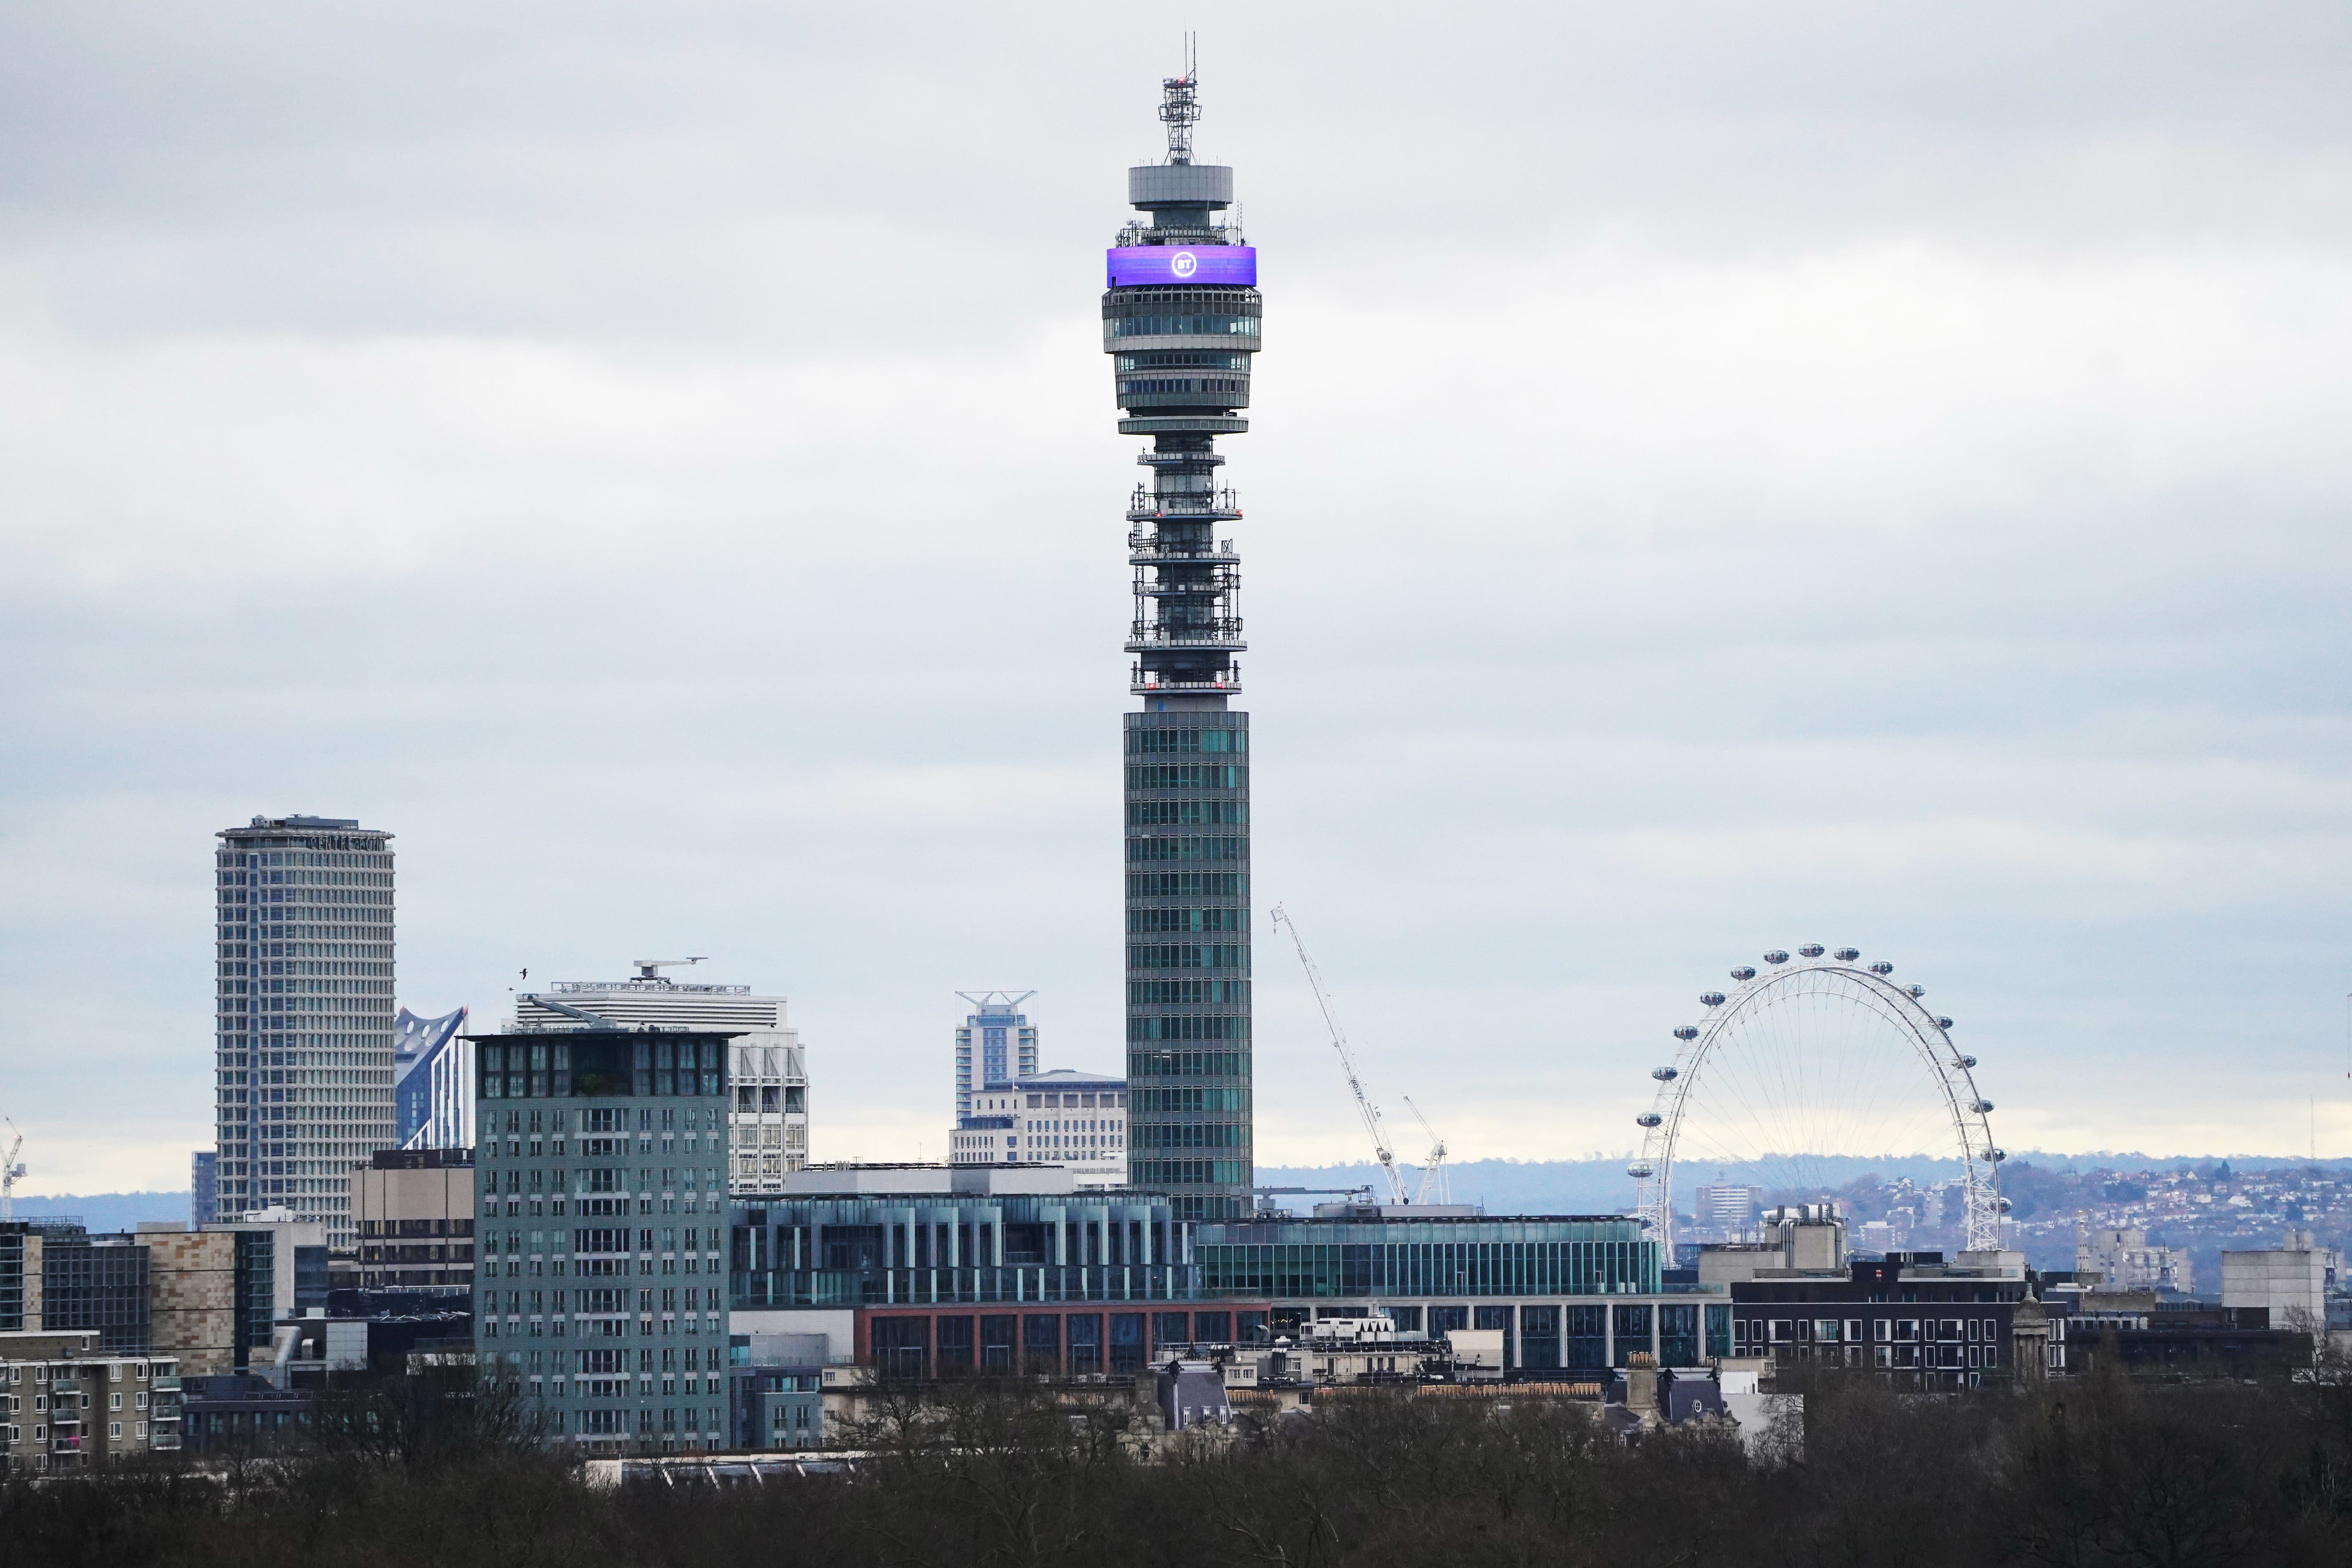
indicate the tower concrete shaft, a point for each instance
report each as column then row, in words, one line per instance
column 1181, row 319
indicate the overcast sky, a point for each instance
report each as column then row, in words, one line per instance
column 1721, row 476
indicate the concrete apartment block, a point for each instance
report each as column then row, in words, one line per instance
column 70, row 1406
column 2290, row 1282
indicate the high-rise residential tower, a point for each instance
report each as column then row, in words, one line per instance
column 303, row 1013
column 601, row 1176
column 994, row 1045
column 1181, row 322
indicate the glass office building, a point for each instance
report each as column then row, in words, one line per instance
column 1325, row 1259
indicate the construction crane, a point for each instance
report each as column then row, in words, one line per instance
column 1364, row 1105
column 1433, row 1185
column 11, row 1173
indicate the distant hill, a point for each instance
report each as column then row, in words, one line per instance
column 109, row 1211
column 1602, row 1186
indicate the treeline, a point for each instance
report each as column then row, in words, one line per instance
column 2100, row 1471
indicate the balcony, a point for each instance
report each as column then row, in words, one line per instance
column 165, row 1385
column 1143, row 682
column 1154, row 639
column 1143, row 506
column 1140, row 233
column 1147, row 549
column 166, row 1440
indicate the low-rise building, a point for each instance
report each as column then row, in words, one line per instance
column 916, row 1270
column 244, row 1413
column 2290, row 1284
column 71, row 1405
column 776, row 1390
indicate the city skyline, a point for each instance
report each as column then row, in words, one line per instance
column 1763, row 489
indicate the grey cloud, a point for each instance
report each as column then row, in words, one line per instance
column 1721, row 476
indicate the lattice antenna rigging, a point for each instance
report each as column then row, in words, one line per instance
column 1179, row 106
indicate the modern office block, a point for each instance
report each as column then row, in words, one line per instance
column 768, row 1073
column 432, row 1081
column 600, row 1274
column 414, row 1211
column 1059, row 1118
column 282, row 1271
column 1181, row 321
column 56, row 1278
column 994, row 1045
column 303, row 943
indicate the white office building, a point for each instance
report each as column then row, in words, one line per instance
column 2124, row 1261
column 769, row 1120
column 1077, row 1119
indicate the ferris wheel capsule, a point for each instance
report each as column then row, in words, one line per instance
column 1648, row 1118
column 1963, row 1062
column 1995, row 1155
column 1743, row 973
column 1980, row 1106
column 1641, row 1170
column 1686, row 1032
column 1810, row 949
column 1775, row 957
column 1882, row 967
column 2000, row 1204
column 1848, row 954
column 1710, row 998
column 1917, row 991
column 1945, row 1024
column 1664, row 1075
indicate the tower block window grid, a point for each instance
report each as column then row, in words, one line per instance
column 1181, row 354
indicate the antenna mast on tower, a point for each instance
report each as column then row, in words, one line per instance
column 1179, row 108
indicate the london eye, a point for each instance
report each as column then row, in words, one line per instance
column 1804, row 1065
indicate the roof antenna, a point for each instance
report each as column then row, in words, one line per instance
column 1178, row 109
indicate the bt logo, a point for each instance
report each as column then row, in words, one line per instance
column 1184, row 263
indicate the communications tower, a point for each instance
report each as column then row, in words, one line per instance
column 1180, row 323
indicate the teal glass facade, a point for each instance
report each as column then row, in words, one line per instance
column 918, row 1249
column 1351, row 1259
column 601, row 1212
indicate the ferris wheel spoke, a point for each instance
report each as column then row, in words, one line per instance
column 1812, row 1073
